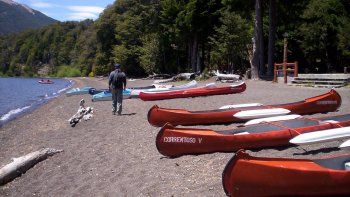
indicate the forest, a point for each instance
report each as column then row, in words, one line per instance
column 173, row 36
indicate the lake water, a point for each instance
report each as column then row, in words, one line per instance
column 21, row 95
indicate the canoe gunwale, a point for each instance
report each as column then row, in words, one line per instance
column 326, row 102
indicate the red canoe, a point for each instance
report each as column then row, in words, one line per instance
column 324, row 103
column 193, row 92
column 48, row 81
column 175, row 142
column 249, row 176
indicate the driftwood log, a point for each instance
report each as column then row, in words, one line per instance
column 83, row 112
column 165, row 80
column 21, row 164
column 185, row 76
column 159, row 76
column 226, row 77
column 179, row 77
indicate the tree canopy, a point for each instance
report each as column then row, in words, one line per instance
column 171, row 36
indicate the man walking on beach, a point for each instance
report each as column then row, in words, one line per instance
column 117, row 83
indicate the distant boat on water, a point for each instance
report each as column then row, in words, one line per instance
column 45, row 81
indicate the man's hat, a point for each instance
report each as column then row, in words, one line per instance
column 117, row 66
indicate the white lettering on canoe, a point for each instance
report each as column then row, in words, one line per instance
column 189, row 140
column 326, row 102
column 200, row 140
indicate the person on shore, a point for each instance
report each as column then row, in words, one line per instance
column 117, row 83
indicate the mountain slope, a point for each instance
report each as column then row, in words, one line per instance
column 15, row 17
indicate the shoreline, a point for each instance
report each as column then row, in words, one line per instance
column 112, row 155
column 16, row 113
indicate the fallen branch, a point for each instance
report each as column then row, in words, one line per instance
column 164, row 80
column 21, row 164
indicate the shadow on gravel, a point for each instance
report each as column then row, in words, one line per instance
column 130, row 114
column 322, row 150
column 280, row 148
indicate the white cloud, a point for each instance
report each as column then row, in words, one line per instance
column 82, row 16
column 86, row 9
column 41, row 4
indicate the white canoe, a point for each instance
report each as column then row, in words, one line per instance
column 157, row 87
column 272, row 119
column 261, row 113
column 322, row 136
column 345, row 144
column 191, row 84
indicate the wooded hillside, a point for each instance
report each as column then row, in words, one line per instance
column 15, row 17
column 171, row 36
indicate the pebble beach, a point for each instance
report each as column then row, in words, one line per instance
column 116, row 155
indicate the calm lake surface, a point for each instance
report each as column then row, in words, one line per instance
column 21, row 95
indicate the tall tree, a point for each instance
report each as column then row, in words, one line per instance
column 257, row 59
column 272, row 37
column 230, row 43
column 320, row 33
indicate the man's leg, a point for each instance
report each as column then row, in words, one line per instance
column 114, row 101
column 119, row 101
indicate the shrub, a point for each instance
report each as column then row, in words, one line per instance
column 68, row 71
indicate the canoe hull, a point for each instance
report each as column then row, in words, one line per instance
column 157, row 116
column 282, row 177
column 192, row 92
column 175, row 142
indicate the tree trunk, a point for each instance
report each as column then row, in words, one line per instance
column 189, row 53
column 272, row 36
column 202, row 59
column 256, row 60
column 194, row 54
column 262, row 69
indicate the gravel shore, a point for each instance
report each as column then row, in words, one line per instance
column 116, row 155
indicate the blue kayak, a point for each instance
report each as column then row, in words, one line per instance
column 94, row 91
column 107, row 95
column 76, row 91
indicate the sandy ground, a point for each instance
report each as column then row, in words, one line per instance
column 116, row 155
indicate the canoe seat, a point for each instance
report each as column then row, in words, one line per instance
column 337, row 163
column 341, row 118
column 251, row 129
column 296, row 123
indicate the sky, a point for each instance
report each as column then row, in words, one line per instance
column 68, row 10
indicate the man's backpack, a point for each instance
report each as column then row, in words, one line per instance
column 118, row 79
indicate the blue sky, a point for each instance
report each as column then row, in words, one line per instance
column 68, row 10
